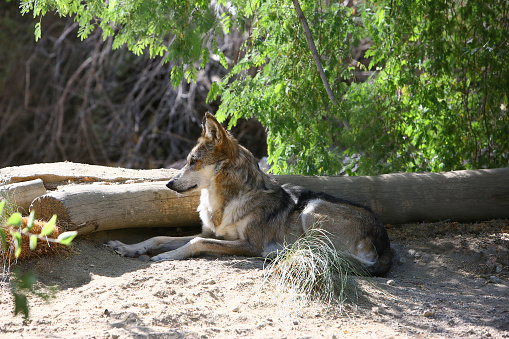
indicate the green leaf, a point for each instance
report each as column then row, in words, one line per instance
column 48, row 228
column 222, row 60
column 17, row 243
column 37, row 32
column 176, row 75
column 4, row 240
column 33, row 241
column 278, row 88
column 25, row 280
column 30, row 222
column 205, row 57
column 2, row 204
column 15, row 219
column 213, row 92
column 112, row 5
column 66, row 237
column 21, row 304
column 191, row 73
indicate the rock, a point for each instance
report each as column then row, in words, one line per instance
column 494, row 279
column 428, row 313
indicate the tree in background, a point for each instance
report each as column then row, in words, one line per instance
column 436, row 101
column 439, row 100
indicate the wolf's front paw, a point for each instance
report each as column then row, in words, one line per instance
column 170, row 255
column 162, row 257
column 132, row 251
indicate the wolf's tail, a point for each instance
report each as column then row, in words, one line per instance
column 382, row 264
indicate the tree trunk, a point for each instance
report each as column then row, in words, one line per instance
column 22, row 194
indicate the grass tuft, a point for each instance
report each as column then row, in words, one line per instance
column 312, row 269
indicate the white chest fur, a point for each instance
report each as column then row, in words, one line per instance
column 233, row 222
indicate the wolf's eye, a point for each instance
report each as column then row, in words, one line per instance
column 192, row 161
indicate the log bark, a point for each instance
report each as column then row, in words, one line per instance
column 89, row 208
column 22, row 194
column 57, row 173
column 413, row 197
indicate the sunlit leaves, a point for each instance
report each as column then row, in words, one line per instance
column 33, row 242
column 12, row 226
column 16, row 237
column 182, row 28
column 14, row 219
column 433, row 102
column 438, row 82
column 277, row 82
column 30, row 221
column 67, row 237
column 50, row 225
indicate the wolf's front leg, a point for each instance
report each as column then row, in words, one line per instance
column 155, row 244
column 133, row 250
column 200, row 245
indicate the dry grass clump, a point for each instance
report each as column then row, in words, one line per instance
column 312, row 269
column 43, row 247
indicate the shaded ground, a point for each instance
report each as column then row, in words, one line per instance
column 449, row 280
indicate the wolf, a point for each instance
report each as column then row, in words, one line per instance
column 244, row 212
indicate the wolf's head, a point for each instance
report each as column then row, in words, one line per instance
column 214, row 147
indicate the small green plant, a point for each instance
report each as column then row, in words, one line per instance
column 312, row 269
column 13, row 226
column 12, row 230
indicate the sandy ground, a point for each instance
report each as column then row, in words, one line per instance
column 449, row 280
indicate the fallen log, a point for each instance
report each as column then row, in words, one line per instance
column 63, row 172
column 22, row 194
column 396, row 198
column 94, row 207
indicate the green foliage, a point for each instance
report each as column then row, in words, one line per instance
column 438, row 100
column 22, row 283
column 173, row 29
column 278, row 83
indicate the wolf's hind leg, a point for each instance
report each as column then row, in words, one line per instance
column 155, row 244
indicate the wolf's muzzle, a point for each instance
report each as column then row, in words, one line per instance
column 172, row 184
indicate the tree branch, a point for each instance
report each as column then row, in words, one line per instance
column 314, row 52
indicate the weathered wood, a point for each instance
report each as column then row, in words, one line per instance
column 59, row 172
column 88, row 208
column 411, row 197
column 22, row 194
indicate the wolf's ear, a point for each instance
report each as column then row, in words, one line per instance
column 212, row 129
